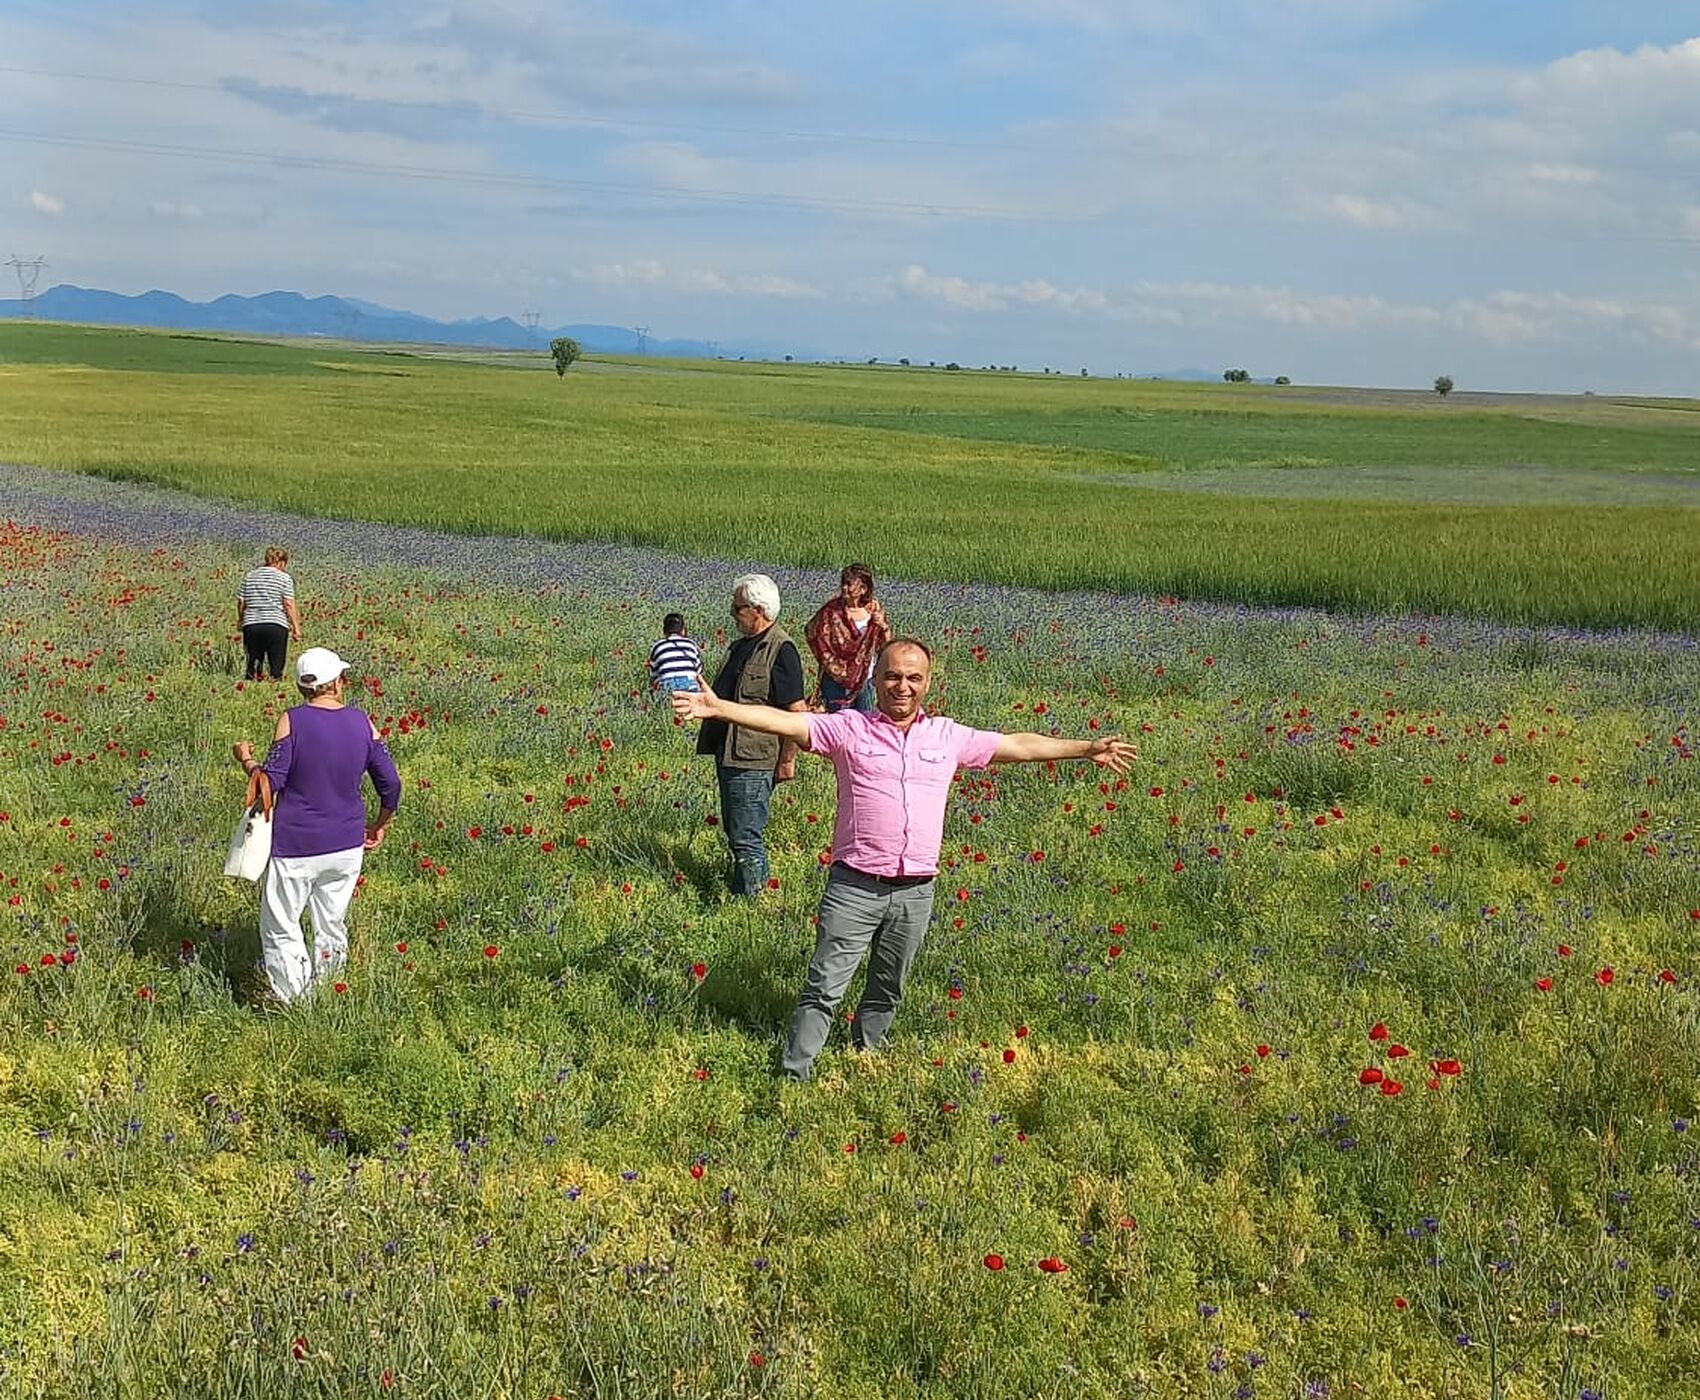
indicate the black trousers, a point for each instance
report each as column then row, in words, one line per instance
column 267, row 643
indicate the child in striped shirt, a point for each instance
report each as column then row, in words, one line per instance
column 674, row 661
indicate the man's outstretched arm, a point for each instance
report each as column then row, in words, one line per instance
column 1114, row 754
column 790, row 725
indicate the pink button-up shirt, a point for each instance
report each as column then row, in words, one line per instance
column 893, row 785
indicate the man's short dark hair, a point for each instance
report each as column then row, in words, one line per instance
column 896, row 642
column 673, row 622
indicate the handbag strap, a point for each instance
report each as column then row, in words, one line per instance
column 260, row 792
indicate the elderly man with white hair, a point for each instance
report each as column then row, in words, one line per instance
column 762, row 668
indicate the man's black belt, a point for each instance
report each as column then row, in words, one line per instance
column 894, row 882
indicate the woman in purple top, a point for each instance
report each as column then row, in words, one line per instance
column 320, row 753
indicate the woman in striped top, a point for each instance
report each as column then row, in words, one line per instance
column 265, row 611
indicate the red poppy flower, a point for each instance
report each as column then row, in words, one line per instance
column 1605, row 977
column 1392, row 1088
column 1370, row 1076
column 474, row 832
column 144, row 994
column 757, row 1359
column 899, row 1138
column 699, row 970
column 994, row 1262
column 339, row 987
column 1009, row 1057
column 696, row 1171
column 1543, row 984
column 1564, row 950
column 1115, row 950
column 401, row 947
column 1021, row 1032
column 955, row 993
column 1378, row 1031
column 1450, row 1067
column 491, row 950
column 1263, row 1052
column 299, row 1349
column 1400, row 1303
column 850, row 1148
column 1053, row 1265
column 1667, row 976
column 1397, row 1052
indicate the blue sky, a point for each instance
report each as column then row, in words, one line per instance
column 1344, row 191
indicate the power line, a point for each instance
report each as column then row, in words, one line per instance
column 497, row 178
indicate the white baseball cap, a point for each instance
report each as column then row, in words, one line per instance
column 318, row 666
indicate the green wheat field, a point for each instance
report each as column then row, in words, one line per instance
column 1346, row 1048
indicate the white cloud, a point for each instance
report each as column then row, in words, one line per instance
column 172, row 209
column 48, row 204
column 1371, row 213
column 1562, row 173
column 1101, row 18
column 651, row 273
column 1504, row 318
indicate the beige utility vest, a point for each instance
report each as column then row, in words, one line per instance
column 747, row 748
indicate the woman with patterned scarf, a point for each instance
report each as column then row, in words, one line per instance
column 846, row 636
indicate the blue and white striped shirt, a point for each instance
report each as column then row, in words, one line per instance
column 674, row 658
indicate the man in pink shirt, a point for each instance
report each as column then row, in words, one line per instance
column 894, row 769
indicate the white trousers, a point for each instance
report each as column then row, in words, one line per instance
column 318, row 885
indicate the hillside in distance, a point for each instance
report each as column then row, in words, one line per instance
column 344, row 318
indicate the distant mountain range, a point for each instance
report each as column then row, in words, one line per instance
column 350, row 318
column 345, row 318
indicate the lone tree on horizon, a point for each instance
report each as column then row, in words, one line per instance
column 1443, row 385
column 565, row 350
column 1237, row 376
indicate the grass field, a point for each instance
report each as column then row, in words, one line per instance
column 1347, row 1048
column 1013, row 479
column 535, row 1146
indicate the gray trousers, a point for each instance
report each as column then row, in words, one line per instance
column 856, row 912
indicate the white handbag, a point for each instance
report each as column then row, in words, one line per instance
column 251, row 842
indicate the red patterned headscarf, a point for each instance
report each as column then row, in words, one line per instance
column 844, row 653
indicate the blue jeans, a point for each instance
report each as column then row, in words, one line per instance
column 744, row 797
column 668, row 684
column 836, row 697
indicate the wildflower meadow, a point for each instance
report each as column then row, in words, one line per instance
column 1347, row 1047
